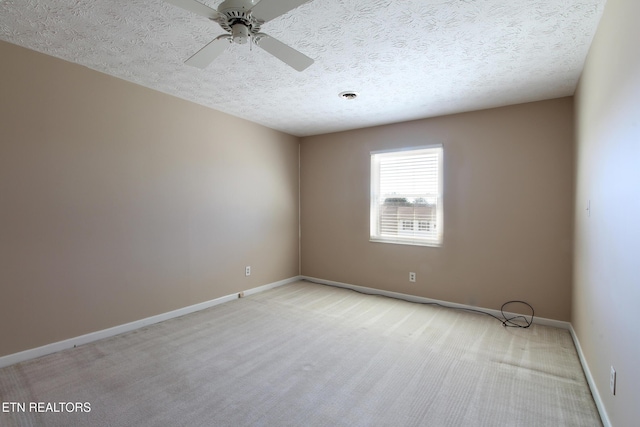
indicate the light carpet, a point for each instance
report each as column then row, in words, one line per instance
column 306, row 354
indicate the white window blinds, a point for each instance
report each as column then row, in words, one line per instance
column 406, row 196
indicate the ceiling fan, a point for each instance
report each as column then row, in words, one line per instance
column 242, row 20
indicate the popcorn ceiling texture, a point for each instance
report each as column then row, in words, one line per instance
column 408, row 59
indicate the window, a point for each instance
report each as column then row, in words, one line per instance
column 406, row 196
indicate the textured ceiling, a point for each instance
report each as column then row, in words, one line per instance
column 408, row 59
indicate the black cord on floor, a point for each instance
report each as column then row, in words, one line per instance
column 507, row 322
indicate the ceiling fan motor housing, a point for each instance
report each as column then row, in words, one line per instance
column 236, row 18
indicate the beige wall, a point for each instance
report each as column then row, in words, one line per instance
column 607, row 256
column 508, row 206
column 118, row 202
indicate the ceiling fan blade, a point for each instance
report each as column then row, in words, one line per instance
column 286, row 54
column 195, row 7
column 206, row 55
column 266, row 10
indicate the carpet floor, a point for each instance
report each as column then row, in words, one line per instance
column 306, row 354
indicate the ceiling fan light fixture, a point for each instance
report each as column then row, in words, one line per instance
column 240, row 33
column 348, row 95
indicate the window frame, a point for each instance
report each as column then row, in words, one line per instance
column 375, row 234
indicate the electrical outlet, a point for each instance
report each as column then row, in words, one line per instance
column 247, row 270
column 412, row 277
column 612, row 381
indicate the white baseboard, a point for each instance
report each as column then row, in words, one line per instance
column 537, row 320
column 127, row 327
column 592, row 384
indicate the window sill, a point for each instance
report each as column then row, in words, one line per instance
column 432, row 244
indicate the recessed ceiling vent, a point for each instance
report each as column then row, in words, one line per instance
column 348, row 95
